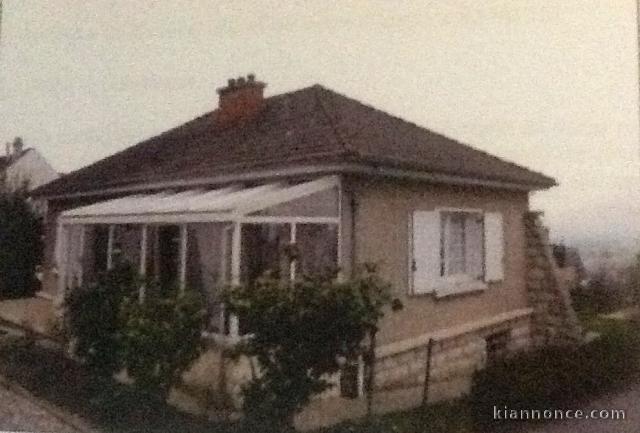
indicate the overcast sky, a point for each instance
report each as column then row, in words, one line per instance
column 550, row 84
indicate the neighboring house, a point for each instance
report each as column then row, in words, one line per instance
column 24, row 168
column 218, row 200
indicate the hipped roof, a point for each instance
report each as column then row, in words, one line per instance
column 310, row 127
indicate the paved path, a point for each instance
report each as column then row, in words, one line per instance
column 628, row 400
column 24, row 413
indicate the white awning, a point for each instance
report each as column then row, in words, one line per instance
column 226, row 204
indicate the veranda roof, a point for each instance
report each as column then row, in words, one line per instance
column 196, row 205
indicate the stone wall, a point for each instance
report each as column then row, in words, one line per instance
column 213, row 385
column 454, row 358
column 554, row 321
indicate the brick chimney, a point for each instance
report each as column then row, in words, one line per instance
column 241, row 100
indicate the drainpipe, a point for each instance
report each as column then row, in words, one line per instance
column 354, row 207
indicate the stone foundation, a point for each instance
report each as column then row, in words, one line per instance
column 212, row 386
column 455, row 355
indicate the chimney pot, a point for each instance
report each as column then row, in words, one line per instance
column 241, row 100
column 18, row 146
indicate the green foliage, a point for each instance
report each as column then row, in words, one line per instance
column 633, row 273
column 298, row 333
column 92, row 318
column 443, row 417
column 20, row 245
column 554, row 376
column 160, row 339
column 603, row 294
column 155, row 341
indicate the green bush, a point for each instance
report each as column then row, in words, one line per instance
column 160, row 339
column 554, row 376
column 92, row 318
column 155, row 341
column 20, row 245
column 299, row 332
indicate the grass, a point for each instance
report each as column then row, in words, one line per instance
column 105, row 404
column 447, row 417
column 113, row 407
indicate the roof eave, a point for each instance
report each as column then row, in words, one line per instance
column 318, row 169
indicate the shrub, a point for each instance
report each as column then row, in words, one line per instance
column 298, row 333
column 155, row 341
column 20, row 245
column 553, row 376
column 160, row 339
column 92, row 319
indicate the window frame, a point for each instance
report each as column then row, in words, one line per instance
column 461, row 277
column 445, row 286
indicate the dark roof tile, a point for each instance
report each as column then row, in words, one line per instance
column 309, row 126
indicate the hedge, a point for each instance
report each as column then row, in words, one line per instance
column 554, row 377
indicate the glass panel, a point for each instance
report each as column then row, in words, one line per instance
column 206, row 262
column 264, row 248
column 163, row 256
column 463, row 244
column 126, row 244
column 74, row 258
column 454, row 245
column 474, row 245
column 96, row 240
column 319, row 204
column 318, row 247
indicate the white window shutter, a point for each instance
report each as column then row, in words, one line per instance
column 494, row 246
column 426, row 251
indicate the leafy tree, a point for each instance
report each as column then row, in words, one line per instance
column 299, row 333
column 20, row 245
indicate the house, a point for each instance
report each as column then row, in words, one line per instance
column 22, row 167
column 218, row 200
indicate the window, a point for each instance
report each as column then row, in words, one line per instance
column 462, row 244
column 264, row 249
column 100, row 249
column 352, row 379
column 163, row 256
column 455, row 251
column 497, row 346
column 318, row 249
